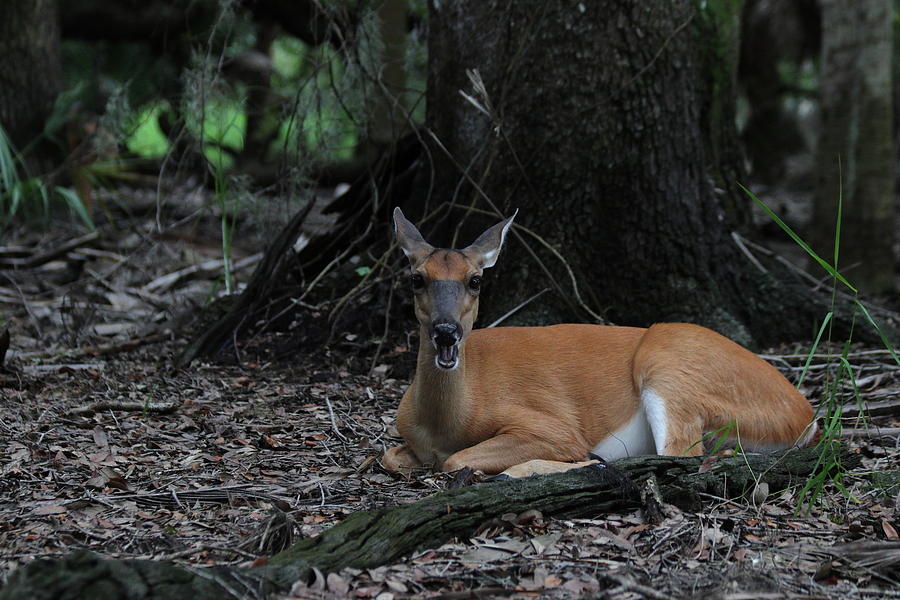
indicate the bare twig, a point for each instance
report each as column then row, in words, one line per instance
column 515, row 309
column 516, row 228
column 150, row 407
column 45, row 257
column 27, row 304
column 334, row 426
column 871, row 432
column 161, row 284
column 384, row 335
column 739, row 242
column 102, row 349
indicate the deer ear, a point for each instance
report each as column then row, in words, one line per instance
column 486, row 248
column 411, row 241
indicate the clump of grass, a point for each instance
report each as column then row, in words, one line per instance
column 30, row 196
column 829, row 468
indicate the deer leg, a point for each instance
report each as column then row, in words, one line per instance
column 401, row 459
column 505, row 450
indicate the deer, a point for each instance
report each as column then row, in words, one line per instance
column 517, row 401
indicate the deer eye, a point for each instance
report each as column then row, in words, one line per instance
column 475, row 283
column 418, row 282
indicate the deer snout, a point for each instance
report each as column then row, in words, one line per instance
column 446, row 333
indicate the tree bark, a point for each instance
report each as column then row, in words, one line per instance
column 856, row 157
column 600, row 129
column 372, row 538
column 30, row 77
column 385, row 106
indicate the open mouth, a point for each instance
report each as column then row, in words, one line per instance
column 447, row 356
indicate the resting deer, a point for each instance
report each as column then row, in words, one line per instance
column 491, row 399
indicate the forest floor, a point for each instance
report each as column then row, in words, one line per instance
column 105, row 446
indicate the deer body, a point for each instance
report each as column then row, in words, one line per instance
column 494, row 398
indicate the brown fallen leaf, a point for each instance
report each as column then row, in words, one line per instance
column 889, row 531
column 50, row 509
column 267, row 441
column 574, row 585
column 396, row 586
column 100, row 437
column 107, row 477
column 552, row 581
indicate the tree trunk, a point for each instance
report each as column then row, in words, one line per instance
column 856, row 156
column 30, row 76
column 372, row 538
column 774, row 33
column 601, row 129
column 385, row 100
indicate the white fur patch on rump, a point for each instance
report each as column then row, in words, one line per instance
column 632, row 439
column 655, row 409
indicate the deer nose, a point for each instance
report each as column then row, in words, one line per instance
column 445, row 334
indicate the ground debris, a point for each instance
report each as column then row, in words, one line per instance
column 124, row 456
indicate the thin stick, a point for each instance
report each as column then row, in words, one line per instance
column 497, row 211
column 334, row 426
column 516, row 228
column 40, row 259
column 516, row 309
column 739, row 242
column 334, row 262
column 25, row 303
column 387, row 324
column 871, row 432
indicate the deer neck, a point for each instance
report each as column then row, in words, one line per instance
column 441, row 395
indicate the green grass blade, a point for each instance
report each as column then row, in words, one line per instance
column 840, row 212
column 75, row 203
column 856, row 395
column 815, row 346
column 16, row 197
column 9, row 175
column 44, row 195
column 884, row 340
column 221, row 194
column 784, row 226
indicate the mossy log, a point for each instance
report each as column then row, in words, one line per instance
column 371, row 538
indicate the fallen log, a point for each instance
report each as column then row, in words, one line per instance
column 372, row 538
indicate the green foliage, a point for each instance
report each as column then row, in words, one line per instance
column 317, row 112
column 147, row 138
column 324, row 91
column 30, row 196
column 321, row 93
column 326, row 117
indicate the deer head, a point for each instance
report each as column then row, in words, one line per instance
column 446, row 283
